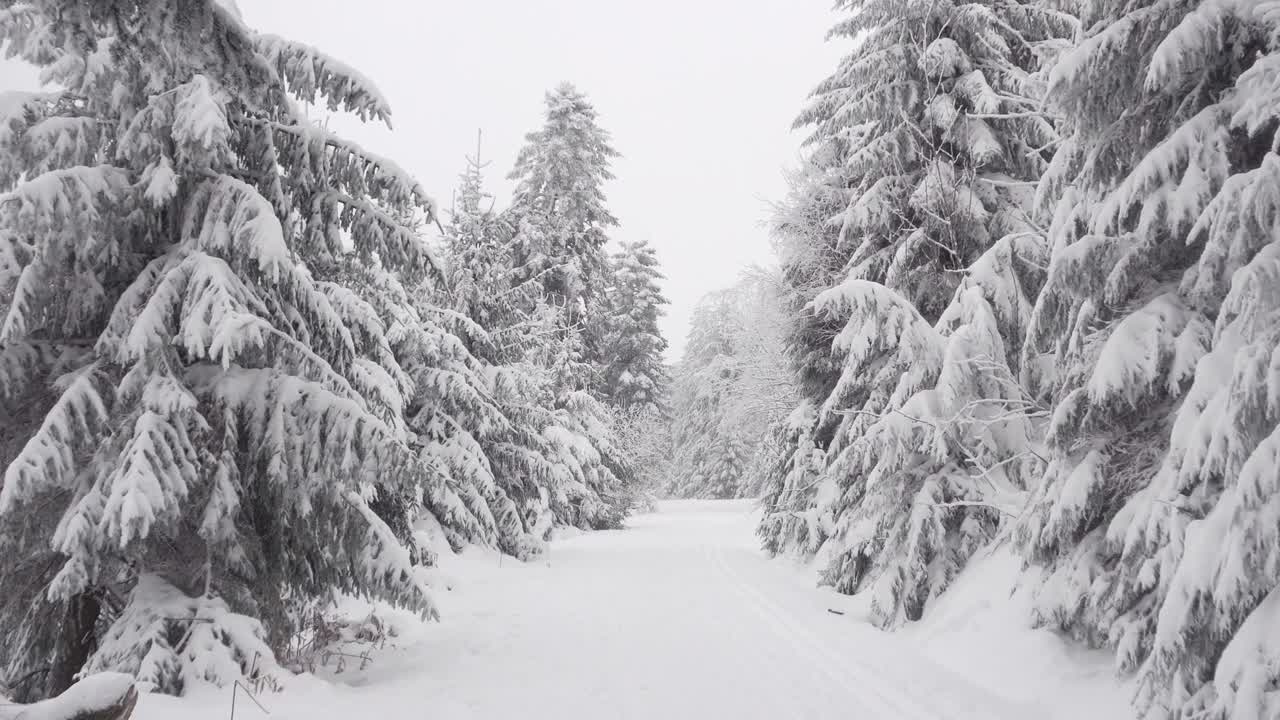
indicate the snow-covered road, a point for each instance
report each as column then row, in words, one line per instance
column 679, row 616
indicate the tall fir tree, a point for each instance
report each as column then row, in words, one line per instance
column 1154, row 340
column 550, row 451
column 195, row 404
column 807, row 234
column 562, row 222
column 706, row 459
column 931, row 124
column 557, row 254
column 635, row 374
column 479, row 247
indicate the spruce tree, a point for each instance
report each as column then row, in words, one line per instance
column 479, row 247
column 705, row 456
column 938, row 452
column 558, row 259
column 549, row 452
column 634, row 371
column 199, row 405
column 644, row 437
column 1153, row 340
column 932, row 126
column 812, row 260
column 562, row 221
column 938, row 106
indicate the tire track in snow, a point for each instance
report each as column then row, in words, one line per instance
column 738, row 667
column 822, row 660
column 949, row 693
column 792, row 699
column 869, row 679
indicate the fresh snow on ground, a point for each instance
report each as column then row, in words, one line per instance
column 681, row 616
column 979, row 628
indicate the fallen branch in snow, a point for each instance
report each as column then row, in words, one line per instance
column 835, row 612
column 105, row 696
column 236, row 689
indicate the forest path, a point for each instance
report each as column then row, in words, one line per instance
column 678, row 616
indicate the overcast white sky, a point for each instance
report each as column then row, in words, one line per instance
column 698, row 94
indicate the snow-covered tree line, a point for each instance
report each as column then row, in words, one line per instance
column 731, row 391
column 237, row 380
column 1030, row 264
column 567, row 330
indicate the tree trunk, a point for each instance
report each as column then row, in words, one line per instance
column 75, row 642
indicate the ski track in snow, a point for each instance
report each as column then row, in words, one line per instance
column 678, row 616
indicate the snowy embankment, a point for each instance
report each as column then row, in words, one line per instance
column 680, row 616
column 979, row 628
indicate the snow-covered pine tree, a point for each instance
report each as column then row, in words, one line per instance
column 549, row 450
column 560, row 222
column 729, row 391
column 448, row 409
column 938, row 106
column 559, row 211
column 189, row 393
column 479, row 249
column 700, row 391
column 564, row 454
column 644, row 436
column 720, row 475
column 790, row 523
column 764, row 389
column 1155, row 340
column 938, row 449
column 464, row 332
column 636, row 381
column 635, row 375
column 934, row 116
column 806, row 232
